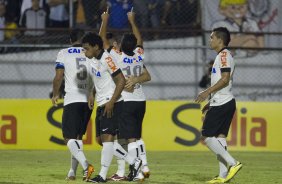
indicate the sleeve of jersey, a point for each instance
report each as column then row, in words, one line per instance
column 114, row 52
column 60, row 61
column 111, row 65
column 225, row 61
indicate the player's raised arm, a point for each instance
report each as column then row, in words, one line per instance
column 135, row 30
column 103, row 29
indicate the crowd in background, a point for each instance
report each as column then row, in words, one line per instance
column 42, row 14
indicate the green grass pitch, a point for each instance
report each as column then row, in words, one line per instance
column 30, row 167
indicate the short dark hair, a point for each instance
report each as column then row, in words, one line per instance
column 223, row 34
column 92, row 39
column 128, row 42
column 76, row 34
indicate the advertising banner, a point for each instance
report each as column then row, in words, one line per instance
column 168, row 126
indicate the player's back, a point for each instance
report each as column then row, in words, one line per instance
column 131, row 66
column 76, row 74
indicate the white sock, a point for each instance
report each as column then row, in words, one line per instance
column 121, row 164
column 122, row 154
column 133, row 149
column 223, row 170
column 77, row 152
column 74, row 164
column 214, row 145
column 106, row 158
column 142, row 153
column 121, row 167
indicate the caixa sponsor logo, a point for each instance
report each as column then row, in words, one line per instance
column 74, row 50
column 132, row 60
column 244, row 130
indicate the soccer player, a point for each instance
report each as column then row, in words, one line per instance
column 221, row 106
column 72, row 64
column 130, row 60
column 109, row 83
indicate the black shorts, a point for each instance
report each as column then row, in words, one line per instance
column 132, row 116
column 75, row 119
column 218, row 119
column 106, row 125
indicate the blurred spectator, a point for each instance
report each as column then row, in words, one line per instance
column 13, row 9
column 118, row 11
column 34, row 18
column 2, row 20
column 92, row 12
column 6, row 22
column 12, row 30
column 28, row 3
column 59, row 16
column 180, row 12
column 154, row 7
column 141, row 11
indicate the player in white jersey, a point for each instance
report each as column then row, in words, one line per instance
column 130, row 60
column 72, row 65
column 109, row 83
column 221, row 107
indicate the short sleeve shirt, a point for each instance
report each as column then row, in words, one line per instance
column 131, row 66
column 223, row 63
column 102, row 71
column 76, row 74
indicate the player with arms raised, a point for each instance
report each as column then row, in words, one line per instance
column 131, row 61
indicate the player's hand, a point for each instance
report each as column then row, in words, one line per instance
column 108, row 111
column 129, row 89
column 105, row 16
column 130, row 82
column 55, row 100
column 131, row 16
column 91, row 101
column 205, row 108
column 202, row 96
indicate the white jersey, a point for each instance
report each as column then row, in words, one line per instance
column 134, row 66
column 103, row 69
column 223, row 63
column 75, row 66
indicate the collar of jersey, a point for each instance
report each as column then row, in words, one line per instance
column 77, row 45
column 100, row 54
column 222, row 49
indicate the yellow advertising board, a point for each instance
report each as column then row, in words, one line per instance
column 168, row 126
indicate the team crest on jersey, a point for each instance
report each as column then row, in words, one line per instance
column 111, row 64
column 132, row 60
column 74, row 50
column 140, row 51
column 96, row 72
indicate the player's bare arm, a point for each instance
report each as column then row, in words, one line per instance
column 132, row 80
column 205, row 108
column 135, row 30
column 223, row 82
column 103, row 29
column 120, row 83
column 91, row 98
column 57, row 81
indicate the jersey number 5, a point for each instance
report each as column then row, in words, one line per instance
column 82, row 74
